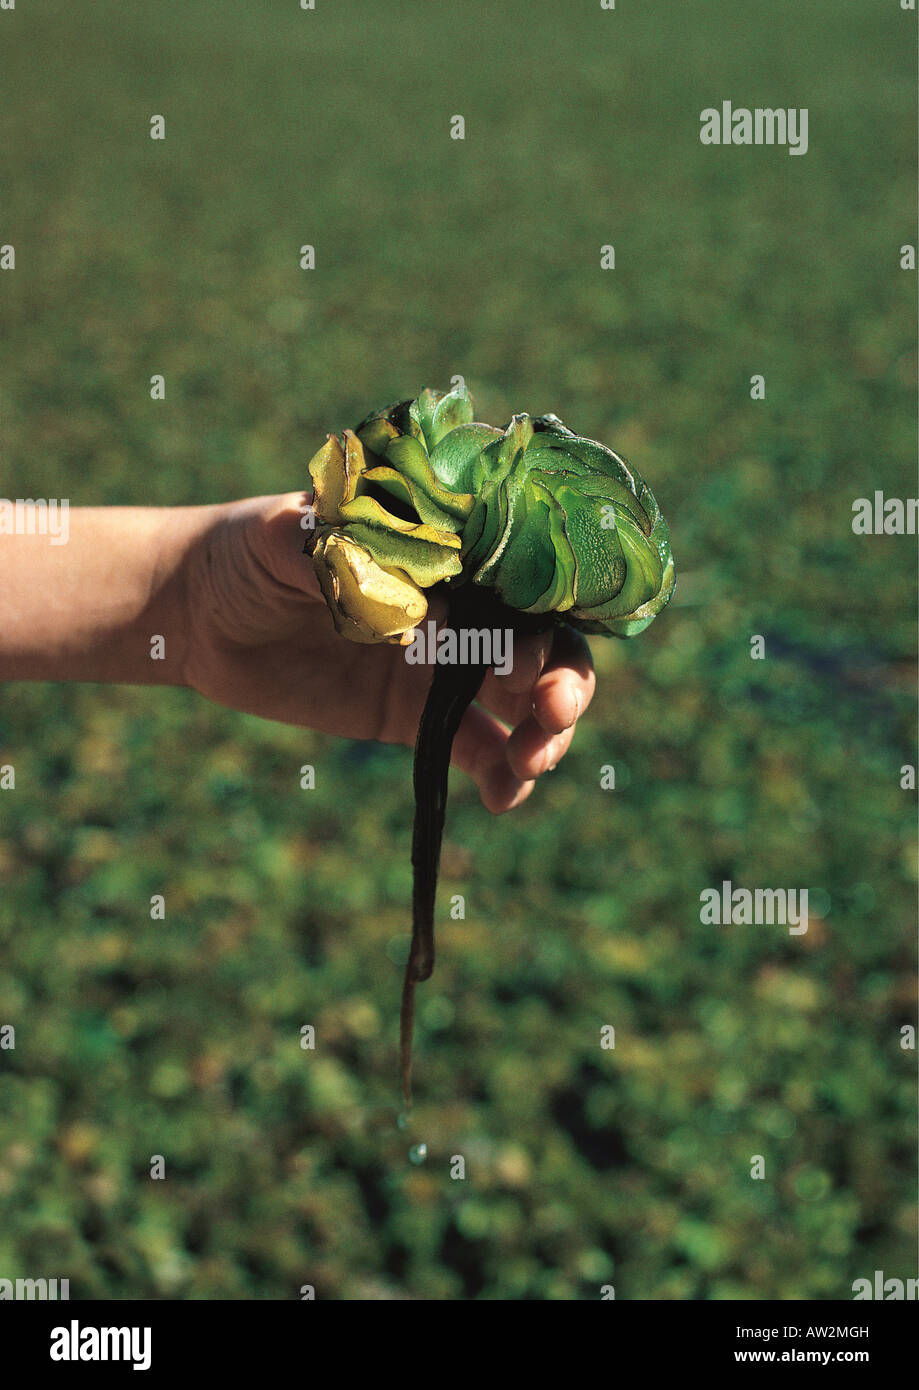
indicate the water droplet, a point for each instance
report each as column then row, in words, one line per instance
column 418, row 1153
column 403, row 1121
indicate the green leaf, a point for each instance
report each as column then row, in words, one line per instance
column 527, row 569
column 422, row 410
column 424, row 559
column 398, row 485
column 453, row 409
column 457, row 458
column 408, row 456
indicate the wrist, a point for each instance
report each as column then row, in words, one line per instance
column 181, row 556
column 108, row 605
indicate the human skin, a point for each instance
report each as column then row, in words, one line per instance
column 243, row 622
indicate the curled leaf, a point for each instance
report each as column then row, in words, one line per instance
column 369, row 602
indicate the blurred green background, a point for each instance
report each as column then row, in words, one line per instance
column 284, row 907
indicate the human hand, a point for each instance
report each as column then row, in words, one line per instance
column 260, row 639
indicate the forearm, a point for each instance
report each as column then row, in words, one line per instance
column 92, row 608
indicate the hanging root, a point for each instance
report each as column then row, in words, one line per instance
column 407, row 1028
column 452, row 691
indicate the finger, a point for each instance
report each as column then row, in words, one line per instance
column 277, row 528
column 530, row 655
column 562, row 689
column 513, row 707
column 480, row 750
column 566, row 685
column 531, row 751
column 537, row 750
